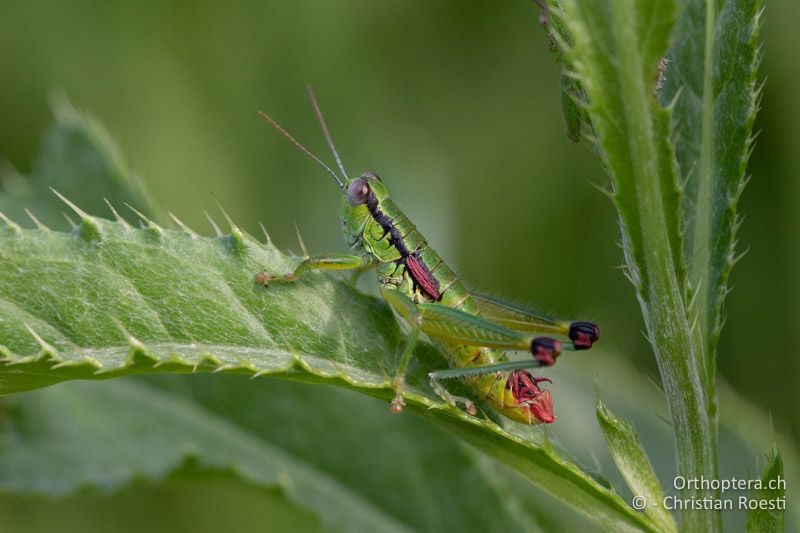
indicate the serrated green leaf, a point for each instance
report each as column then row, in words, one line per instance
column 109, row 300
column 78, row 157
column 711, row 77
column 634, row 465
column 773, row 496
column 131, row 301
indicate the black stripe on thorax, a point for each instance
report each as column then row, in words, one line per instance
column 387, row 224
column 420, row 274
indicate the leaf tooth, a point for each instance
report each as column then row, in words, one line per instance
column 222, row 368
column 672, row 103
column 751, row 146
column 78, row 211
column 266, row 235
column 759, row 20
column 217, row 231
column 71, row 222
column 555, row 10
column 10, row 223
column 695, row 324
column 559, row 40
column 607, row 192
column 84, row 360
column 93, row 361
column 206, row 358
column 174, row 359
column 300, row 240
column 236, row 242
column 693, row 298
column 88, row 229
column 591, row 138
column 739, row 256
column 737, row 223
column 260, row 373
column 574, row 75
column 225, row 214
column 186, row 229
column 758, row 55
column 689, row 175
column 236, row 238
column 47, row 349
column 117, row 216
column 631, row 276
column 132, row 341
column 153, row 228
column 5, row 355
column 38, row 223
column 759, row 91
column 246, row 364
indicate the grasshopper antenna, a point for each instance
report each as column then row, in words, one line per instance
column 297, row 143
column 325, row 131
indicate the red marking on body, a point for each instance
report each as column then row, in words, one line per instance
column 423, row 277
column 528, row 394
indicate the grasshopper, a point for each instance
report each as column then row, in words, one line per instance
column 474, row 331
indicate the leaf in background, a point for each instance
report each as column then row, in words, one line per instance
column 108, row 300
column 711, row 78
column 328, row 451
column 769, row 519
column 634, row 465
column 78, row 157
column 572, row 93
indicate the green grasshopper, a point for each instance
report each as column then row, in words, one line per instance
column 472, row 330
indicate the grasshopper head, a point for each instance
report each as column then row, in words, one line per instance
column 361, row 196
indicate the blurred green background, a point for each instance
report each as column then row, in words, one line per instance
column 456, row 105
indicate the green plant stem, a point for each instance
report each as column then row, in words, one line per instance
column 615, row 52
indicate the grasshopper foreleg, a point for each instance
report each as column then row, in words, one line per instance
column 359, row 263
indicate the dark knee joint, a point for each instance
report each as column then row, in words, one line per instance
column 545, row 350
column 583, row 334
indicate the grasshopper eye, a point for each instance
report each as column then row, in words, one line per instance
column 358, row 192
